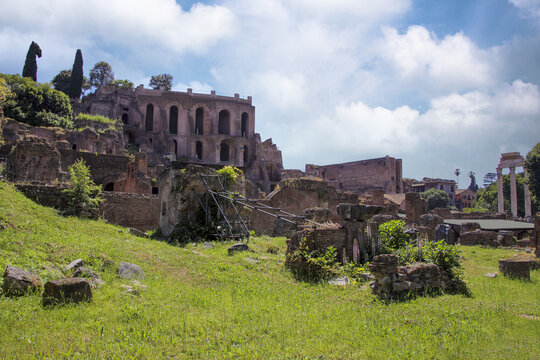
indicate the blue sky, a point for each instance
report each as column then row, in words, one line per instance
column 442, row 84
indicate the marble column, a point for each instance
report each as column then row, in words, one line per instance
column 527, row 195
column 500, row 194
column 513, row 192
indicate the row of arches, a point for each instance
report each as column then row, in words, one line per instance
column 224, row 121
column 224, row 151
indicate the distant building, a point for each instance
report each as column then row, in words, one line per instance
column 448, row 186
column 362, row 176
column 464, row 198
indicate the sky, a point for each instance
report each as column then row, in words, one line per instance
column 440, row 84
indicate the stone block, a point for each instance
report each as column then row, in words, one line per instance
column 18, row 282
column 430, row 220
column 75, row 264
column 64, row 291
column 517, row 269
column 130, row 271
column 357, row 212
column 238, row 247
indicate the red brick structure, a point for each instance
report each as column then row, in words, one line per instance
column 361, row 176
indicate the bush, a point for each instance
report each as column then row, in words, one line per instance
column 231, row 174
column 37, row 104
column 313, row 265
column 392, row 236
column 82, row 196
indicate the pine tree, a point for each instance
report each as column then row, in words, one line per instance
column 30, row 64
column 75, row 86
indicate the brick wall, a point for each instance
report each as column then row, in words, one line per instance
column 139, row 211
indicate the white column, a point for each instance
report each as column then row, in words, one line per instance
column 500, row 194
column 528, row 212
column 513, row 192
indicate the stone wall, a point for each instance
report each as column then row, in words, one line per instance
column 361, row 176
column 130, row 210
column 393, row 281
column 294, row 196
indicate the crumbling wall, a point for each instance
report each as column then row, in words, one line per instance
column 294, row 196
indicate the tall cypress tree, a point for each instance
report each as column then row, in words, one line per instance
column 75, row 86
column 30, row 64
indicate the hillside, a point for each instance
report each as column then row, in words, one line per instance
column 201, row 303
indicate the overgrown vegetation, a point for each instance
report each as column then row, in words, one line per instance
column 231, row 174
column 532, row 164
column 392, row 235
column 82, row 195
column 36, row 104
column 96, row 118
column 313, row 265
column 203, row 304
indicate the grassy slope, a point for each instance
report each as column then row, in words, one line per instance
column 205, row 304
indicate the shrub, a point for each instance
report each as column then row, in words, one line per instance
column 231, row 174
column 37, row 104
column 82, row 196
column 313, row 265
column 392, row 236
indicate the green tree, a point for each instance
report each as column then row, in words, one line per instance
column 161, row 80
column 36, row 104
column 435, row 198
column 76, row 83
column 83, row 195
column 61, row 81
column 532, row 164
column 101, row 74
column 30, row 64
column 123, row 84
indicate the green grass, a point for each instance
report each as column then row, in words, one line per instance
column 204, row 304
column 96, row 118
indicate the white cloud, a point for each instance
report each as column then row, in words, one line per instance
column 530, row 8
column 196, row 86
column 130, row 24
column 451, row 64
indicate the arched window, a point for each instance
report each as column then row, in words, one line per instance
column 173, row 120
column 149, row 124
column 198, row 150
column 199, row 116
column 224, row 151
column 246, row 157
column 224, row 122
column 245, row 118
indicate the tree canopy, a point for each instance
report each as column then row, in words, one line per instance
column 76, row 83
column 101, row 74
column 123, row 84
column 532, row 164
column 161, row 80
column 435, row 198
column 36, row 104
column 30, row 64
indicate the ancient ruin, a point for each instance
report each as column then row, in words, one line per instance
column 512, row 161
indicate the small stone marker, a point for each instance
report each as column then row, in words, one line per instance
column 237, row 247
column 517, row 269
column 18, row 282
column 341, row 281
column 63, row 291
column 208, row 245
column 491, row 275
column 130, row 271
column 75, row 264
